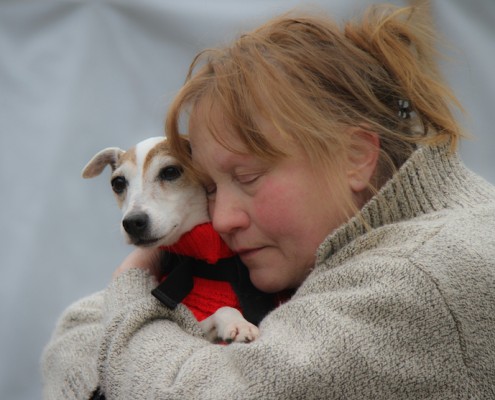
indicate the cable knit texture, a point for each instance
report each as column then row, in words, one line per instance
column 405, row 310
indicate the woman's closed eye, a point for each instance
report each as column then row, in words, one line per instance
column 240, row 179
column 246, row 179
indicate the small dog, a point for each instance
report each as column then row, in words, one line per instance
column 160, row 204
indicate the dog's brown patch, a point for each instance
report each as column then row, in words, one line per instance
column 163, row 148
column 160, row 148
column 128, row 156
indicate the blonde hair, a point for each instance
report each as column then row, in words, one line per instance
column 311, row 78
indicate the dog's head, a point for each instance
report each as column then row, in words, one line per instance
column 159, row 201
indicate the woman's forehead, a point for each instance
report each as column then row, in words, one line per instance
column 208, row 119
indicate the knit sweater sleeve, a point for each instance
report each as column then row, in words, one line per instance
column 370, row 334
column 69, row 361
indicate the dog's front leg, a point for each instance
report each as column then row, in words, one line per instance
column 228, row 324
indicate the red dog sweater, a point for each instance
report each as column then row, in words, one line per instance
column 207, row 293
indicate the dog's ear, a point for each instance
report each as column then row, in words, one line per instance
column 95, row 166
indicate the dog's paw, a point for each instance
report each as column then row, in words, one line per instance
column 228, row 325
column 239, row 331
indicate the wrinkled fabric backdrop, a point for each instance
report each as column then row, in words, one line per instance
column 78, row 76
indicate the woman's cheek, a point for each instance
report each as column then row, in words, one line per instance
column 274, row 206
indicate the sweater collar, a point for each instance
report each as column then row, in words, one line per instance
column 431, row 179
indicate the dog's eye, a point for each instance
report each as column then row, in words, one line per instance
column 119, row 184
column 170, row 173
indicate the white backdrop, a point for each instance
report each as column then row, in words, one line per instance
column 77, row 76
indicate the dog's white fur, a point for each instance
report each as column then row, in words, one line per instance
column 160, row 203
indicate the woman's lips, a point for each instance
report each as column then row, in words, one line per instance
column 246, row 253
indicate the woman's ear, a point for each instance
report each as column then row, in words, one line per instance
column 362, row 158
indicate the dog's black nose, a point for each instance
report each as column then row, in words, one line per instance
column 136, row 224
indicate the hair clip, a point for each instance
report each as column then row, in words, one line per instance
column 404, row 109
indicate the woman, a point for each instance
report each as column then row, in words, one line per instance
column 328, row 158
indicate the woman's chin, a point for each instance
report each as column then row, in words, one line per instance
column 266, row 283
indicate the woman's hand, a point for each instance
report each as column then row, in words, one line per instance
column 147, row 259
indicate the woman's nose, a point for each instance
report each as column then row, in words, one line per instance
column 228, row 213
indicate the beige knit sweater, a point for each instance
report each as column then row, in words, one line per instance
column 404, row 311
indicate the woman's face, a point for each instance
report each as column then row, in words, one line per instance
column 274, row 215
